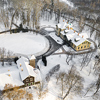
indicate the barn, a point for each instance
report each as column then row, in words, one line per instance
column 28, row 74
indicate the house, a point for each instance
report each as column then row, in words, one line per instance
column 21, row 74
column 72, row 38
column 62, row 26
column 28, row 74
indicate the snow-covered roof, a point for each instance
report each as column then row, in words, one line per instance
column 84, row 34
column 66, row 31
column 63, row 25
column 70, row 33
column 26, row 70
column 32, row 57
column 75, row 38
column 10, row 78
column 80, row 40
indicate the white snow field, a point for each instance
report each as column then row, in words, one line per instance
column 24, row 43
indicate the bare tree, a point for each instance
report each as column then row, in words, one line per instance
column 16, row 93
column 4, row 18
column 81, row 24
column 70, row 82
column 2, row 55
column 95, row 86
column 9, row 56
column 96, row 66
column 41, row 91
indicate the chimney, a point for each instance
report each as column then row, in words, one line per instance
column 21, row 69
column 9, row 75
column 67, row 22
column 32, row 61
column 78, row 34
column 8, row 70
column 82, row 36
column 20, row 65
column 74, row 31
column 68, row 27
column 63, row 20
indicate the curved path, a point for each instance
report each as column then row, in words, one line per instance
column 55, row 46
column 79, row 52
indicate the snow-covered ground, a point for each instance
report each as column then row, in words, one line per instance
column 68, row 2
column 76, row 61
column 51, row 62
column 24, row 43
column 64, row 67
column 56, row 38
column 9, row 74
column 49, row 29
column 29, row 43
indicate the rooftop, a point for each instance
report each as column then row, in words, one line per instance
column 16, row 74
column 75, row 37
column 63, row 25
column 26, row 70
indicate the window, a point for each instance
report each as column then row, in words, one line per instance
column 78, row 47
column 31, row 79
column 84, row 46
column 74, row 46
column 29, row 84
column 26, row 84
column 27, row 80
column 81, row 47
column 87, row 45
column 32, row 83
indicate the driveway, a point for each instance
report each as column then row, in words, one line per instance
column 53, row 44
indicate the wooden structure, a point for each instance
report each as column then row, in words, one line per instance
column 29, row 81
column 32, row 61
column 28, row 74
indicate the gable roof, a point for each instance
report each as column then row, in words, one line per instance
column 73, row 36
column 63, row 25
column 26, row 70
column 80, row 40
column 13, row 79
